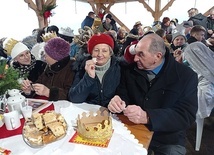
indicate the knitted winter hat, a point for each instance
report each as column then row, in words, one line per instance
column 57, row 48
column 175, row 35
column 13, row 47
column 99, row 39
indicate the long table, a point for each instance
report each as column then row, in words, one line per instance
column 140, row 134
column 140, row 131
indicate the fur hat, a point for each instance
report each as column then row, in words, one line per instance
column 13, row 47
column 100, row 39
column 57, row 48
column 138, row 23
column 175, row 35
column 66, row 31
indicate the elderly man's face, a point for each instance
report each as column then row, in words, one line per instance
column 144, row 59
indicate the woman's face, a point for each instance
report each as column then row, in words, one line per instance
column 179, row 41
column 102, row 53
column 48, row 59
column 24, row 58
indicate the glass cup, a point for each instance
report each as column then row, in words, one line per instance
column 27, row 111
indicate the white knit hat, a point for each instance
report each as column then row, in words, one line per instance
column 13, row 47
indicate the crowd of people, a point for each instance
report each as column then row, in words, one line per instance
column 155, row 75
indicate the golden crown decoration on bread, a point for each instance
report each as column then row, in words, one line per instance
column 49, row 35
column 8, row 45
column 95, row 126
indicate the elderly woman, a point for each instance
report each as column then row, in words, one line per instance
column 23, row 60
column 57, row 78
column 96, row 82
column 178, row 45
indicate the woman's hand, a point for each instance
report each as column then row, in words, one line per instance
column 41, row 89
column 90, row 68
column 26, row 86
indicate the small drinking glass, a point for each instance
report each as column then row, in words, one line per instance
column 27, row 111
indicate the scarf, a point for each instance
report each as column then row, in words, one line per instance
column 24, row 70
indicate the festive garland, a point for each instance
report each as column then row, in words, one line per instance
column 46, row 10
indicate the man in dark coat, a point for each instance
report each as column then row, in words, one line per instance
column 159, row 92
column 89, row 20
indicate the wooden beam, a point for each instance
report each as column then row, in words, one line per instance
column 101, row 1
column 208, row 11
column 116, row 19
column 157, row 10
column 166, row 7
column 148, row 8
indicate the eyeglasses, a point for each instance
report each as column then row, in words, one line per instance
column 26, row 54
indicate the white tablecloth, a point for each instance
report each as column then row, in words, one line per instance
column 121, row 143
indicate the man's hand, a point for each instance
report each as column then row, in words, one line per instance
column 136, row 115
column 116, row 105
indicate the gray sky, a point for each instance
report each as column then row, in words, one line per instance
column 18, row 20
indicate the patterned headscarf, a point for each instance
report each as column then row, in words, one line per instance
column 24, row 70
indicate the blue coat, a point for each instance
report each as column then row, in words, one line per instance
column 88, row 21
column 90, row 90
column 170, row 99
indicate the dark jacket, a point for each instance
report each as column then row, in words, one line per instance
column 90, row 90
column 37, row 70
column 170, row 99
column 199, row 19
column 58, row 78
column 210, row 25
column 88, row 21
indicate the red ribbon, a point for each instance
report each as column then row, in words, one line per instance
column 47, row 14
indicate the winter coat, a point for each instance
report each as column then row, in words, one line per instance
column 58, row 78
column 88, row 21
column 210, row 25
column 199, row 19
column 91, row 90
column 170, row 99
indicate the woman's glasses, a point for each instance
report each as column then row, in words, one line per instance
column 26, row 54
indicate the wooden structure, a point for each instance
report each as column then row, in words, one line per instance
column 106, row 5
column 42, row 8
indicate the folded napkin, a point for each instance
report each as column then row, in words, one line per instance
column 8, row 133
